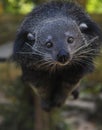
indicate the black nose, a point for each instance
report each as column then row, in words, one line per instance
column 63, row 56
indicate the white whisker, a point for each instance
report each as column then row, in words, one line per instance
column 85, row 45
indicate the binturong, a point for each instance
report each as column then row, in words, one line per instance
column 55, row 47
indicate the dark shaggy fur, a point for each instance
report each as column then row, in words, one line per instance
column 55, row 47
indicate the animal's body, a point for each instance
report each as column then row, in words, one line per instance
column 55, row 46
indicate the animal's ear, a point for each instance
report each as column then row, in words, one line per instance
column 21, row 39
column 92, row 31
column 90, row 28
column 30, row 37
column 83, row 26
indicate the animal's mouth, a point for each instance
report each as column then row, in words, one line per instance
column 64, row 63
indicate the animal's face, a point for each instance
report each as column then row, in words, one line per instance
column 58, row 40
column 56, row 43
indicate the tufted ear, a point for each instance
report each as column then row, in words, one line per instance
column 90, row 28
column 30, row 37
column 19, row 42
column 21, row 39
column 92, row 31
column 83, row 26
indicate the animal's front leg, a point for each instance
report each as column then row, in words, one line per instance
column 63, row 92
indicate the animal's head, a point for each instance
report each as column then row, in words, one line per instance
column 50, row 40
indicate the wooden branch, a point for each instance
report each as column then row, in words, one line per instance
column 38, row 117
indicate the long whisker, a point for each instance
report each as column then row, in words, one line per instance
column 45, row 65
column 53, row 68
column 30, row 53
column 34, row 49
column 48, row 65
column 82, row 63
column 88, row 52
column 85, row 45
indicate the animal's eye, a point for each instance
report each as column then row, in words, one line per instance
column 49, row 44
column 70, row 40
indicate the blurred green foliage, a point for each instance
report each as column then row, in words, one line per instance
column 94, row 6
column 17, row 109
column 18, row 6
column 25, row 6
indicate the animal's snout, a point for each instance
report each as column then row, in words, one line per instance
column 63, row 56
